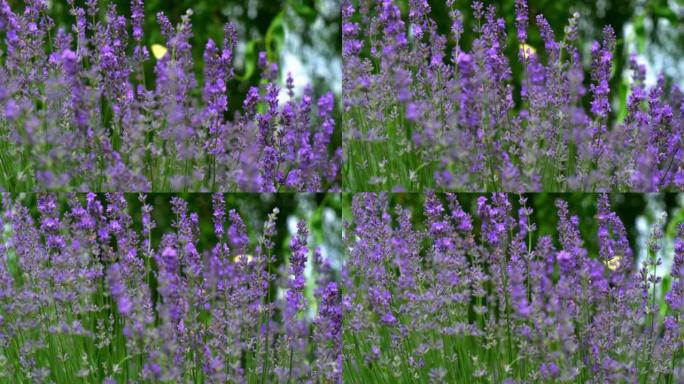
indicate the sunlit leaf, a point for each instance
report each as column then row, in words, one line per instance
column 275, row 37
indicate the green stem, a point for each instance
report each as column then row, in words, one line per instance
column 264, row 367
column 289, row 371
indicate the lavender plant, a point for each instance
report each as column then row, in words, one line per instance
column 78, row 112
column 420, row 116
column 88, row 298
column 476, row 299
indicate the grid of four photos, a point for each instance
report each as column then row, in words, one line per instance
column 341, row 191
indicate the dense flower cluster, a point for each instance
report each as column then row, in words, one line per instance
column 85, row 297
column 464, row 298
column 77, row 112
column 419, row 115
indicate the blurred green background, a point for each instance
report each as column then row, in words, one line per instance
column 652, row 29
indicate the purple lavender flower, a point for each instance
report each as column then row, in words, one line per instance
column 521, row 21
column 329, row 334
column 295, row 297
column 137, row 18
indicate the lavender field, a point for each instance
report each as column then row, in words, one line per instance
column 341, row 191
column 426, row 108
column 440, row 295
column 79, row 113
column 92, row 292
